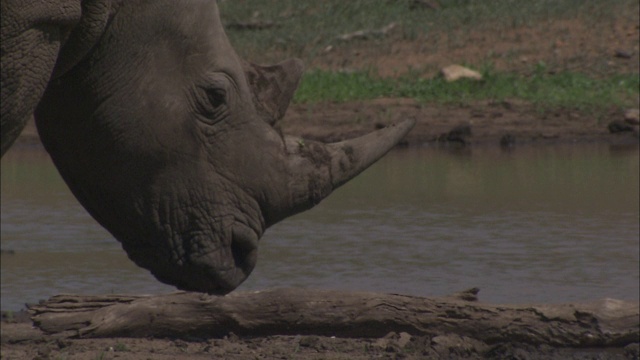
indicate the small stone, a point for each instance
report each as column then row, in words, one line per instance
column 404, row 339
column 425, row 4
column 507, row 141
column 618, row 126
column 623, row 54
column 455, row 72
column 459, row 134
column 632, row 116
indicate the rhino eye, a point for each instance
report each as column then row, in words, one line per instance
column 212, row 104
column 217, row 97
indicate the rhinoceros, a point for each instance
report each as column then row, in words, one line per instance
column 165, row 136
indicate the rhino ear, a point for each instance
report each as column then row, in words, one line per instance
column 273, row 86
column 85, row 34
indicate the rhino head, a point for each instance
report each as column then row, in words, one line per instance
column 167, row 138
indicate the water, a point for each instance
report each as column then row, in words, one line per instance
column 539, row 224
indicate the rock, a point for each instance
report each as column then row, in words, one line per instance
column 632, row 116
column 623, row 54
column 403, row 339
column 252, row 25
column 507, row 141
column 455, row 72
column 618, row 126
column 459, row 134
column 425, row 4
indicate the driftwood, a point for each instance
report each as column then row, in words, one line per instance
column 365, row 34
column 334, row 313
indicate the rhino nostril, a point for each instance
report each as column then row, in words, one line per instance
column 244, row 246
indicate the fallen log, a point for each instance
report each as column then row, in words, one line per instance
column 602, row 323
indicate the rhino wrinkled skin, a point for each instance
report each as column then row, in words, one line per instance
column 164, row 134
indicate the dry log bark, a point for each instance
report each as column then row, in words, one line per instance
column 335, row 313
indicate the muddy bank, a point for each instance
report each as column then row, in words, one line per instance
column 505, row 123
column 392, row 346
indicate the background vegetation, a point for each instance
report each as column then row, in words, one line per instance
column 307, row 29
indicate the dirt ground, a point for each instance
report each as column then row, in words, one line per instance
column 20, row 340
column 561, row 45
column 505, row 123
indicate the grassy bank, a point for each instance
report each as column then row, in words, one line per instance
column 554, row 53
column 304, row 28
column 570, row 90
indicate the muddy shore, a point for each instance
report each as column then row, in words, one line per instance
column 488, row 123
column 23, row 341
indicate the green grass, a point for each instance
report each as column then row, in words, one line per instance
column 306, row 27
column 571, row 90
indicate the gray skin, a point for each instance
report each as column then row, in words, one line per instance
column 170, row 140
column 40, row 39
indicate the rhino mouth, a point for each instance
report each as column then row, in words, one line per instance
column 226, row 268
column 217, row 271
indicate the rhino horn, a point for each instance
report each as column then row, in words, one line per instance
column 316, row 169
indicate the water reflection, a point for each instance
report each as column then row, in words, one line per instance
column 547, row 224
